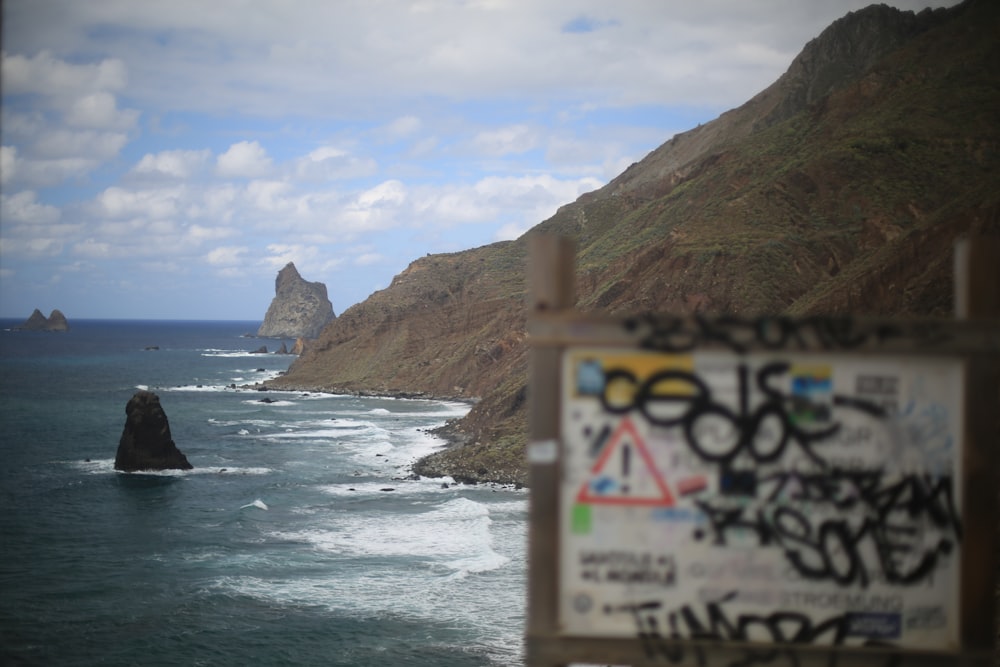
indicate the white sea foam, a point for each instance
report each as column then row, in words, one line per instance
column 407, row 487
column 232, row 353
column 490, row 621
column 313, row 395
column 107, row 466
column 454, row 535
column 197, row 387
column 411, row 560
column 259, row 504
column 331, row 433
column 272, row 403
column 94, row 466
column 214, row 470
column 259, row 423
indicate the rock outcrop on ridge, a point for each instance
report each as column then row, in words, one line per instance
column 299, row 308
column 146, row 443
column 56, row 321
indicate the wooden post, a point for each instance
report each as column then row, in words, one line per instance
column 551, row 276
column 977, row 278
column 977, row 296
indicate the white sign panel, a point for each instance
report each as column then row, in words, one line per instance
column 768, row 498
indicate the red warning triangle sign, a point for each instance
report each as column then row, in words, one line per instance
column 625, row 473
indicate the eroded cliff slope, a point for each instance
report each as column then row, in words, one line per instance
column 839, row 189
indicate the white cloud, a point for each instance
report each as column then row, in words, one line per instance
column 245, row 159
column 271, row 60
column 151, row 204
column 100, row 110
column 32, row 229
column 511, row 231
column 24, row 208
column 536, row 196
column 387, row 194
column 8, row 162
column 226, row 255
column 178, row 164
column 401, row 128
column 62, row 117
column 197, row 234
column 331, row 163
column 59, row 143
column 93, row 249
column 423, row 147
column 270, row 196
column 281, row 254
column 506, row 140
column 42, row 173
column 44, row 74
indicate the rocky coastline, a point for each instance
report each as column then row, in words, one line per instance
column 450, row 460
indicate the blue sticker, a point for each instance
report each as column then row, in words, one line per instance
column 874, row 625
column 589, row 378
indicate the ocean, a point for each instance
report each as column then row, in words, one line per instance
column 298, row 538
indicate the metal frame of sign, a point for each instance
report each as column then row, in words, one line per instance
column 728, row 491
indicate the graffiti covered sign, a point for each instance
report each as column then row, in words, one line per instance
column 762, row 497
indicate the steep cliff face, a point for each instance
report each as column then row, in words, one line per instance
column 839, row 189
column 437, row 329
column 300, row 309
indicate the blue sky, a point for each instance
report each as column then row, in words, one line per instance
column 164, row 159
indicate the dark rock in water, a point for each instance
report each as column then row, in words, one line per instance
column 146, row 443
column 35, row 322
column 283, row 350
column 56, row 321
column 260, row 350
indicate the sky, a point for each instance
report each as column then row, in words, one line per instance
column 164, row 159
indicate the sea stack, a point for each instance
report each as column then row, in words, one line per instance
column 146, row 443
column 56, row 321
column 299, row 308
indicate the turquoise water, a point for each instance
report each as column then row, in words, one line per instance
column 184, row 568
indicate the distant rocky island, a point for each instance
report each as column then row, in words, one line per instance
column 56, row 321
column 300, row 309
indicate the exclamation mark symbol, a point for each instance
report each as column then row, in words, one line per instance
column 626, row 460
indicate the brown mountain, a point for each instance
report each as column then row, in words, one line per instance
column 838, row 189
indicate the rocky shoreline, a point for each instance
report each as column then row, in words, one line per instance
column 451, row 460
